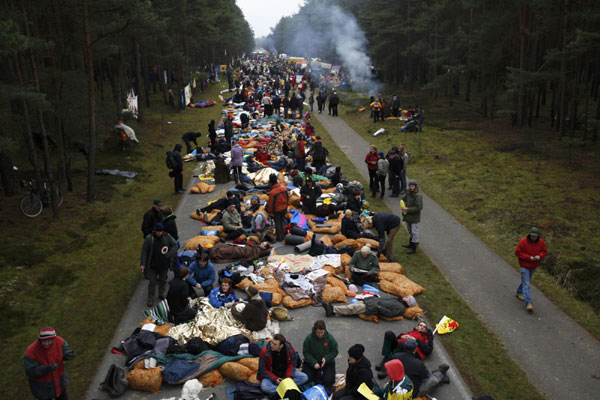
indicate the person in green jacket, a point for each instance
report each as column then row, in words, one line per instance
column 319, row 350
column 232, row 223
column 364, row 266
column 413, row 204
column 158, row 249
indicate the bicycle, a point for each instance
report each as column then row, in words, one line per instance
column 38, row 197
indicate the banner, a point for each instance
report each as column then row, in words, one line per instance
column 446, row 325
column 285, row 385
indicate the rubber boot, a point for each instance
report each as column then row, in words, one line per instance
column 413, row 248
column 407, row 246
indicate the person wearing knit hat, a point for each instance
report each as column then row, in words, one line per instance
column 530, row 251
column 364, row 266
column 358, row 372
column 44, row 365
column 400, row 386
column 421, row 337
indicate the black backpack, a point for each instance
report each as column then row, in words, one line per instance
column 114, row 383
column 171, row 163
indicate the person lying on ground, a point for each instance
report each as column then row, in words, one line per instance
column 178, row 298
column 253, row 313
column 223, row 296
column 364, row 266
column 226, row 252
column 422, row 335
column 320, row 350
column 202, row 273
column 425, row 382
column 223, row 203
column 358, row 372
column 387, row 307
column 277, row 361
column 399, row 387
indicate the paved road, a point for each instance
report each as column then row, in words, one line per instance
column 347, row 331
column 561, row 358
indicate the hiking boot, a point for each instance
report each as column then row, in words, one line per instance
column 407, row 246
column 413, row 249
column 381, row 375
column 445, row 380
column 529, row 307
column 379, row 366
column 520, row 296
column 150, row 303
column 328, row 308
column 443, row 368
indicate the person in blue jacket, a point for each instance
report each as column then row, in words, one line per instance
column 223, row 295
column 202, row 273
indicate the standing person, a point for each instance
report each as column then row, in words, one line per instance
column 395, row 106
column 293, row 104
column 319, row 155
column 202, row 273
column 212, row 135
column 169, row 221
column 309, row 193
column 311, row 100
column 286, row 106
column 178, row 169
column 413, row 204
column 300, row 153
column 420, row 117
column 158, row 249
column 395, row 171
column 276, row 104
column 320, row 350
column 376, row 110
column 358, row 372
column 321, row 98
column 530, row 251
column 44, row 366
column 237, row 159
column 384, row 223
column 228, row 127
column 189, row 138
column 334, row 101
column 382, row 170
column 151, row 217
column 277, row 205
column 277, row 362
column 371, row 160
column 267, row 105
column 404, row 156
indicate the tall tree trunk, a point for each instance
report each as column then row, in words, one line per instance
column 138, row 80
column 563, row 75
column 523, row 44
column 46, row 152
column 91, row 184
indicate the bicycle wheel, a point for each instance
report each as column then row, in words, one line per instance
column 31, row 205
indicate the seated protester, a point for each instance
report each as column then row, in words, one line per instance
column 420, row 334
column 277, row 361
column 354, row 202
column 252, row 165
column 178, row 297
column 384, row 223
column 338, row 177
column 248, row 213
column 279, row 164
column 253, row 313
column 387, row 307
column 400, row 386
column 320, row 350
column 350, row 227
column 309, row 194
column 260, row 222
column 262, row 156
column 202, row 273
column 424, row 382
column 223, row 295
column 364, row 266
column 358, row 372
column 232, row 223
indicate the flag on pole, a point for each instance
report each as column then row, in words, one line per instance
column 446, row 325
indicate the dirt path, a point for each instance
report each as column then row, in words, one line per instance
column 561, row 358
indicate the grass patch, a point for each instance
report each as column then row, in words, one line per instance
column 78, row 273
column 476, row 351
column 498, row 182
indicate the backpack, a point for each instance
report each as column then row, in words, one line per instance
column 171, row 163
column 114, row 383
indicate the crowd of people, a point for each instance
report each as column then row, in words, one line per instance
column 267, row 110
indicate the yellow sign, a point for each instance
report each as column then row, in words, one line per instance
column 403, row 205
column 285, row 385
column 223, row 68
column 366, row 392
column 446, row 325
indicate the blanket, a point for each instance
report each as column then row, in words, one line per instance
column 225, row 252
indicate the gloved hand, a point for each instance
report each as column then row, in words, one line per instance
column 52, row 367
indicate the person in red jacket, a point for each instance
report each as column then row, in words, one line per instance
column 371, row 160
column 530, row 251
column 44, row 366
column 277, row 205
column 277, row 362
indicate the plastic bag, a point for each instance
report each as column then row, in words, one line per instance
column 316, row 392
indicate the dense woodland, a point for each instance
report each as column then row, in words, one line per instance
column 63, row 59
column 525, row 59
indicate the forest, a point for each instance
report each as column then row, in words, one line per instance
column 65, row 62
column 519, row 59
